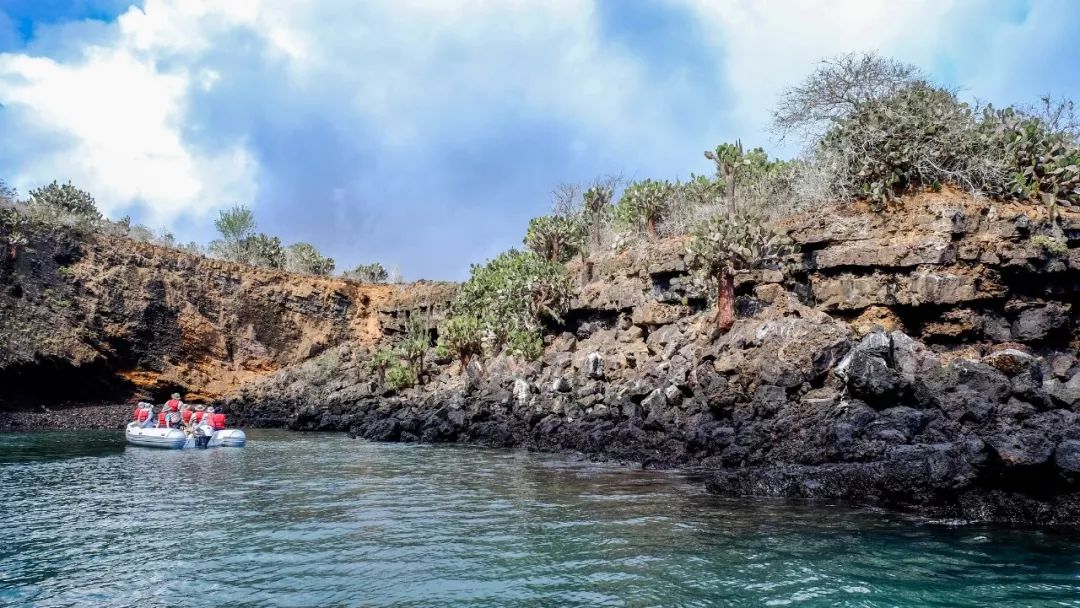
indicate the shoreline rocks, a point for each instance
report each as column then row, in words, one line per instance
column 923, row 358
column 66, row 418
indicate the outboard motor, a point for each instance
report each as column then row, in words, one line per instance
column 202, row 438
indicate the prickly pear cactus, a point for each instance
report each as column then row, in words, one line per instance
column 644, row 204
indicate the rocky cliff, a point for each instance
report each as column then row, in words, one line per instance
column 92, row 317
column 922, row 358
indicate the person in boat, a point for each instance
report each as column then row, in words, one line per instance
column 174, row 404
column 144, row 414
column 208, row 418
column 201, row 427
column 217, row 420
column 196, row 417
column 185, row 415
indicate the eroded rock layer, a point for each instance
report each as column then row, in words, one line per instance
column 94, row 318
column 924, row 358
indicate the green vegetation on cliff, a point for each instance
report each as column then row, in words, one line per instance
column 873, row 129
column 727, row 244
column 504, row 305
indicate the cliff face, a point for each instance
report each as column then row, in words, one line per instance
column 923, row 358
column 94, row 317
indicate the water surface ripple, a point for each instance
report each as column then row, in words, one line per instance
column 323, row 520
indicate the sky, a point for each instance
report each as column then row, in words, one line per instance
column 424, row 135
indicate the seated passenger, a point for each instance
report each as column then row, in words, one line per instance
column 185, row 414
column 144, row 413
column 217, row 421
column 162, row 418
column 208, row 419
column 197, row 416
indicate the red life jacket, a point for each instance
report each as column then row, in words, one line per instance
column 186, row 416
column 217, row 421
column 161, row 419
column 135, row 416
column 173, row 405
column 198, row 416
column 141, row 414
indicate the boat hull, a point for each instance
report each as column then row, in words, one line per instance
column 175, row 439
column 228, row 438
column 169, row 439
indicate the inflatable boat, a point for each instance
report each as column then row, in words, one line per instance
column 175, row 439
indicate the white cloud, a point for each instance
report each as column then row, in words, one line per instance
column 410, row 68
column 190, row 105
column 768, row 45
column 121, row 117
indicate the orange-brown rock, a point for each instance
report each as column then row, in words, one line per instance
column 82, row 312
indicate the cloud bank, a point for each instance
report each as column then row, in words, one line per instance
column 426, row 134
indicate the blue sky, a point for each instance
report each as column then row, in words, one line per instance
column 425, row 135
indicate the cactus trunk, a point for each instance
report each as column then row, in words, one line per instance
column 650, row 227
column 729, row 186
column 725, row 301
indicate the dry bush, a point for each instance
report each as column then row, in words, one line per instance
column 838, row 88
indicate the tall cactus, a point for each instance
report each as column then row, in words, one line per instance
column 727, row 244
column 13, row 229
column 645, row 203
column 596, row 208
column 728, row 159
column 461, row 336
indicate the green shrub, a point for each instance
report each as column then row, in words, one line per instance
column 242, row 244
column 644, row 204
column 400, row 377
column 727, row 244
column 263, row 250
column 515, row 291
column 368, row 273
column 1050, row 245
column 57, row 200
column 164, row 238
column 524, row 344
column 140, row 233
column 883, row 129
column 236, row 226
column 555, row 237
column 920, row 136
column 461, row 337
column 381, row 360
column 305, row 258
column 417, row 340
